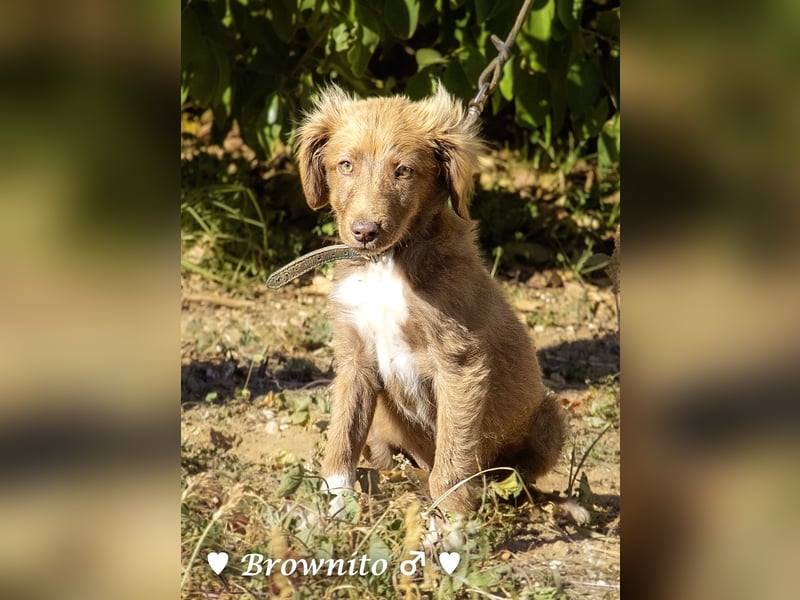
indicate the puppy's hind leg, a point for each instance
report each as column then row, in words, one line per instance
column 390, row 436
column 545, row 438
column 379, row 449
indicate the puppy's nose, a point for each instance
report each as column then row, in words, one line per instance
column 364, row 231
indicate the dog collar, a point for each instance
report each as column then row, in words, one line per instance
column 313, row 259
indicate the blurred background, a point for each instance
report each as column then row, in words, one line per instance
column 710, row 282
column 89, row 301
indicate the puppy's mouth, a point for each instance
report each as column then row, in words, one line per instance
column 370, row 249
column 368, row 238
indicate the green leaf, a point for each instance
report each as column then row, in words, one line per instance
column 302, row 403
column 607, row 23
column 341, row 37
column 227, row 19
column 540, row 21
column 209, row 74
column 596, row 117
column 273, row 109
column 583, row 87
column 352, row 509
column 281, row 16
column 379, row 550
column 506, row 85
column 323, row 549
column 428, row 56
column 510, row 487
column 368, row 16
column 456, row 81
column 577, row 9
column 191, row 36
column 370, row 37
column 484, row 9
column 567, row 11
column 460, row 77
column 585, row 494
column 608, row 146
column 473, row 64
column 291, row 480
column 401, row 17
column 420, row 85
column 532, row 101
column 300, row 417
column 361, row 50
column 227, row 95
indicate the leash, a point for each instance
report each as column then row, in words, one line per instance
column 495, row 67
column 313, row 259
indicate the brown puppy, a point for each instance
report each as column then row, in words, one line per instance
column 430, row 359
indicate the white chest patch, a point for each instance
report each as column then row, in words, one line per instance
column 374, row 303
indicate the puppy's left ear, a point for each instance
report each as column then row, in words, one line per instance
column 457, row 148
column 458, row 166
column 311, row 139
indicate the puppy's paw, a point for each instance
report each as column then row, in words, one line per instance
column 444, row 534
column 569, row 509
column 339, row 487
column 432, row 537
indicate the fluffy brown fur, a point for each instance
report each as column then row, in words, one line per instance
column 430, row 359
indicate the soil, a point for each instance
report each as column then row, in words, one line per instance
column 246, row 355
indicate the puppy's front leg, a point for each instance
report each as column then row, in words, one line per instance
column 461, row 400
column 354, row 399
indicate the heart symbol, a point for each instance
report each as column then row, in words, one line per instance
column 217, row 561
column 449, row 561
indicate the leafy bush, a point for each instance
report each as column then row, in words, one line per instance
column 256, row 61
column 256, row 64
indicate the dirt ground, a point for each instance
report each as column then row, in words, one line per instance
column 247, row 357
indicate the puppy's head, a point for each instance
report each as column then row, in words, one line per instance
column 386, row 165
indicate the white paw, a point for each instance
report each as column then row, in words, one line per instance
column 432, row 536
column 336, row 505
column 441, row 532
column 337, row 486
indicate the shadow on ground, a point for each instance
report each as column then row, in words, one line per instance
column 581, row 362
column 578, row 362
column 226, row 377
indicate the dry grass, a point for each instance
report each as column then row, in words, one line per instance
column 255, row 405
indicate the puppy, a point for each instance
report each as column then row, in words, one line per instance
column 431, row 362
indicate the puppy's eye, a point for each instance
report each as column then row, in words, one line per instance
column 402, row 171
column 345, row 167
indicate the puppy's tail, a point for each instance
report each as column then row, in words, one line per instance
column 546, row 437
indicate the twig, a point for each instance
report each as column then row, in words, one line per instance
column 218, row 300
column 574, row 475
column 196, row 551
column 441, row 498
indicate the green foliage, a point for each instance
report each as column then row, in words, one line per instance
column 227, row 236
column 257, row 63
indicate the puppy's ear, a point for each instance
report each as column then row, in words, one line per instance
column 310, row 140
column 456, row 145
